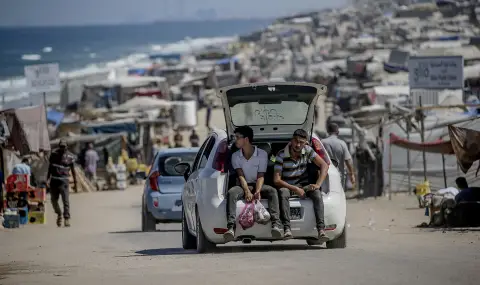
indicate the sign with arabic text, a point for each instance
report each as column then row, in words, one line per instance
column 435, row 72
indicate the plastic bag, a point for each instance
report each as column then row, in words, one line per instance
column 246, row 219
column 262, row 216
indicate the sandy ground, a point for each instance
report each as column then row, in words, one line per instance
column 105, row 246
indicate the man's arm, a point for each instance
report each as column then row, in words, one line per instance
column 322, row 165
column 72, row 167
column 241, row 177
column 277, row 175
column 262, row 168
column 349, row 163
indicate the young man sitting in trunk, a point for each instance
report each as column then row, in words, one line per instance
column 250, row 163
column 291, row 175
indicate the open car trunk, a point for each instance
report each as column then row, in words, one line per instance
column 272, row 110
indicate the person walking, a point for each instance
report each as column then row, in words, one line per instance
column 178, row 139
column 194, row 139
column 60, row 163
column 337, row 149
column 91, row 160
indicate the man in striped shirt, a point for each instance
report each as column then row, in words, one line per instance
column 292, row 176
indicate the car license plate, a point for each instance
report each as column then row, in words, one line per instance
column 295, row 213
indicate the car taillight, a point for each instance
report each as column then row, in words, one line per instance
column 153, row 180
column 317, row 147
column 220, row 156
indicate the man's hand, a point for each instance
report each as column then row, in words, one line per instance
column 257, row 195
column 300, row 192
column 248, row 194
column 313, row 187
column 352, row 178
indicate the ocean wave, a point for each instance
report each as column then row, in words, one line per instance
column 31, row 57
column 47, row 49
column 185, row 46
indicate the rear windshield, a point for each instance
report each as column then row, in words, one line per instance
column 167, row 163
column 281, row 113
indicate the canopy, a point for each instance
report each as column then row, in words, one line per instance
column 439, row 146
column 466, row 145
column 143, row 103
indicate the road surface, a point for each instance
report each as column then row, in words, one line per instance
column 105, row 246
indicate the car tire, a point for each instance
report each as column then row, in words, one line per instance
column 203, row 244
column 188, row 240
column 340, row 241
column 149, row 224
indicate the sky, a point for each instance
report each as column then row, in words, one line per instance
column 89, row 12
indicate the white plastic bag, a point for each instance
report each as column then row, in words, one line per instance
column 262, row 216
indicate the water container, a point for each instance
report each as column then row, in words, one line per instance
column 185, row 113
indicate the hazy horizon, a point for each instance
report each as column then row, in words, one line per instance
column 53, row 13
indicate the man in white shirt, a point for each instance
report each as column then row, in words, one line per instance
column 250, row 163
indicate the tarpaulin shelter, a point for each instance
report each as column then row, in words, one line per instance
column 30, row 125
column 466, row 145
column 55, row 117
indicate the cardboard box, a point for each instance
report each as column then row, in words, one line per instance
column 38, row 195
column 36, row 218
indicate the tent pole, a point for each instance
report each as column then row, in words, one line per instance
column 408, row 121
column 422, row 133
column 390, row 170
column 444, row 171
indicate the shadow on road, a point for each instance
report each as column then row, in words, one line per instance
column 224, row 249
column 139, row 231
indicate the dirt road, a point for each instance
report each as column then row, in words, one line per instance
column 105, row 246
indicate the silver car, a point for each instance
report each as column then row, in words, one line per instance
column 161, row 199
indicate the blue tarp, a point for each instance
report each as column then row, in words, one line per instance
column 137, row 71
column 227, row 60
column 55, row 117
column 447, row 38
column 112, row 128
column 166, row 56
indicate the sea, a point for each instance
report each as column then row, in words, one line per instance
column 88, row 48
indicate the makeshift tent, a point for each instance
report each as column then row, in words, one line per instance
column 30, row 125
column 466, row 145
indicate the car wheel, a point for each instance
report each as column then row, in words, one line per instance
column 340, row 241
column 149, row 224
column 203, row 244
column 188, row 240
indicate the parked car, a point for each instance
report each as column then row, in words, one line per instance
column 161, row 199
column 274, row 111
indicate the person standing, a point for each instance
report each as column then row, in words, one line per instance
column 178, row 139
column 22, row 167
column 60, row 163
column 209, row 114
column 337, row 149
column 194, row 139
column 91, row 160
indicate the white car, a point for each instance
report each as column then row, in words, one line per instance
column 274, row 112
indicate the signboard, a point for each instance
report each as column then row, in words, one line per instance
column 435, row 72
column 43, row 78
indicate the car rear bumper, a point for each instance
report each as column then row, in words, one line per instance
column 165, row 207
